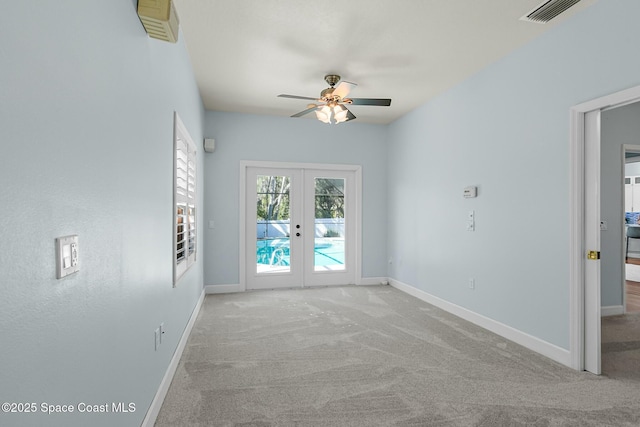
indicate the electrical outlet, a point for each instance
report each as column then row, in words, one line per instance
column 472, row 283
column 157, row 342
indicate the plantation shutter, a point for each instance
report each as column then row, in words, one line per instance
column 191, row 202
column 185, row 198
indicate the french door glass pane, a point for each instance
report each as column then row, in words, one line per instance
column 329, row 251
column 272, row 224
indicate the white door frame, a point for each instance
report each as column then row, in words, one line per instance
column 584, row 316
column 357, row 169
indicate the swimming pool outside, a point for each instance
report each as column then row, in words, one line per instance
column 273, row 256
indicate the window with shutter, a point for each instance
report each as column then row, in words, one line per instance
column 185, row 200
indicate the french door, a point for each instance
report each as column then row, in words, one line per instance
column 300, row 227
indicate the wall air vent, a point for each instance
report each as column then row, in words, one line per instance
column 159, row 18
column 548, row 10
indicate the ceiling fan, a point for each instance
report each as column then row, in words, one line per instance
column 330, row 106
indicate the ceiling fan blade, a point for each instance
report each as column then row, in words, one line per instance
column 350, row 116
column 343, row 89
column 307, row 111
column 296, row 97
column 371, row 101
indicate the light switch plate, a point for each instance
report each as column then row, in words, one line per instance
column 67, row 256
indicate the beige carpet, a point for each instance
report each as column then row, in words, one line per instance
column 374, row 356
column 621, row 347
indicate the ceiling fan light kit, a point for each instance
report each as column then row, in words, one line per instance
column 331, row 103
column 336, row 114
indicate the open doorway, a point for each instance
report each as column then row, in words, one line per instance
column 588, row 227
column 631, row 281
column 620, row 240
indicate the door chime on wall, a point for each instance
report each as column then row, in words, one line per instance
column 159, row 19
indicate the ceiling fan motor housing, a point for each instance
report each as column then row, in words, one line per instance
column 332, row 79
column 327, row 93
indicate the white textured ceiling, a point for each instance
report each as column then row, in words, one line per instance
column 246, row 52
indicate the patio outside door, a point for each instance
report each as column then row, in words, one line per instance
column 300, row 228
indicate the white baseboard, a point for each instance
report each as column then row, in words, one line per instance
column 156, row 404
column 368, row 281
column 545, row 348
column 223, row 289
column 611, row 310
column 230, row 289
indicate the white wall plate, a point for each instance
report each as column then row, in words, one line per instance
column 66, row 256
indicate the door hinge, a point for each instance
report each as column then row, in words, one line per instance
column 593, row 255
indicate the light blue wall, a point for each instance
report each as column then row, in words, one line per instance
column 506, row 129
column 87, row 121
column 619, row 126
column 250, row 137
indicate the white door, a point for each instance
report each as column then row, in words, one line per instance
column 299, row 227
column 329, row 212
column 592, row 355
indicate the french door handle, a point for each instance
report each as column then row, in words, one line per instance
column 297, row 225
column 297, row 234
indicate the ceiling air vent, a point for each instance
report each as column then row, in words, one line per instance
column 548, row 10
